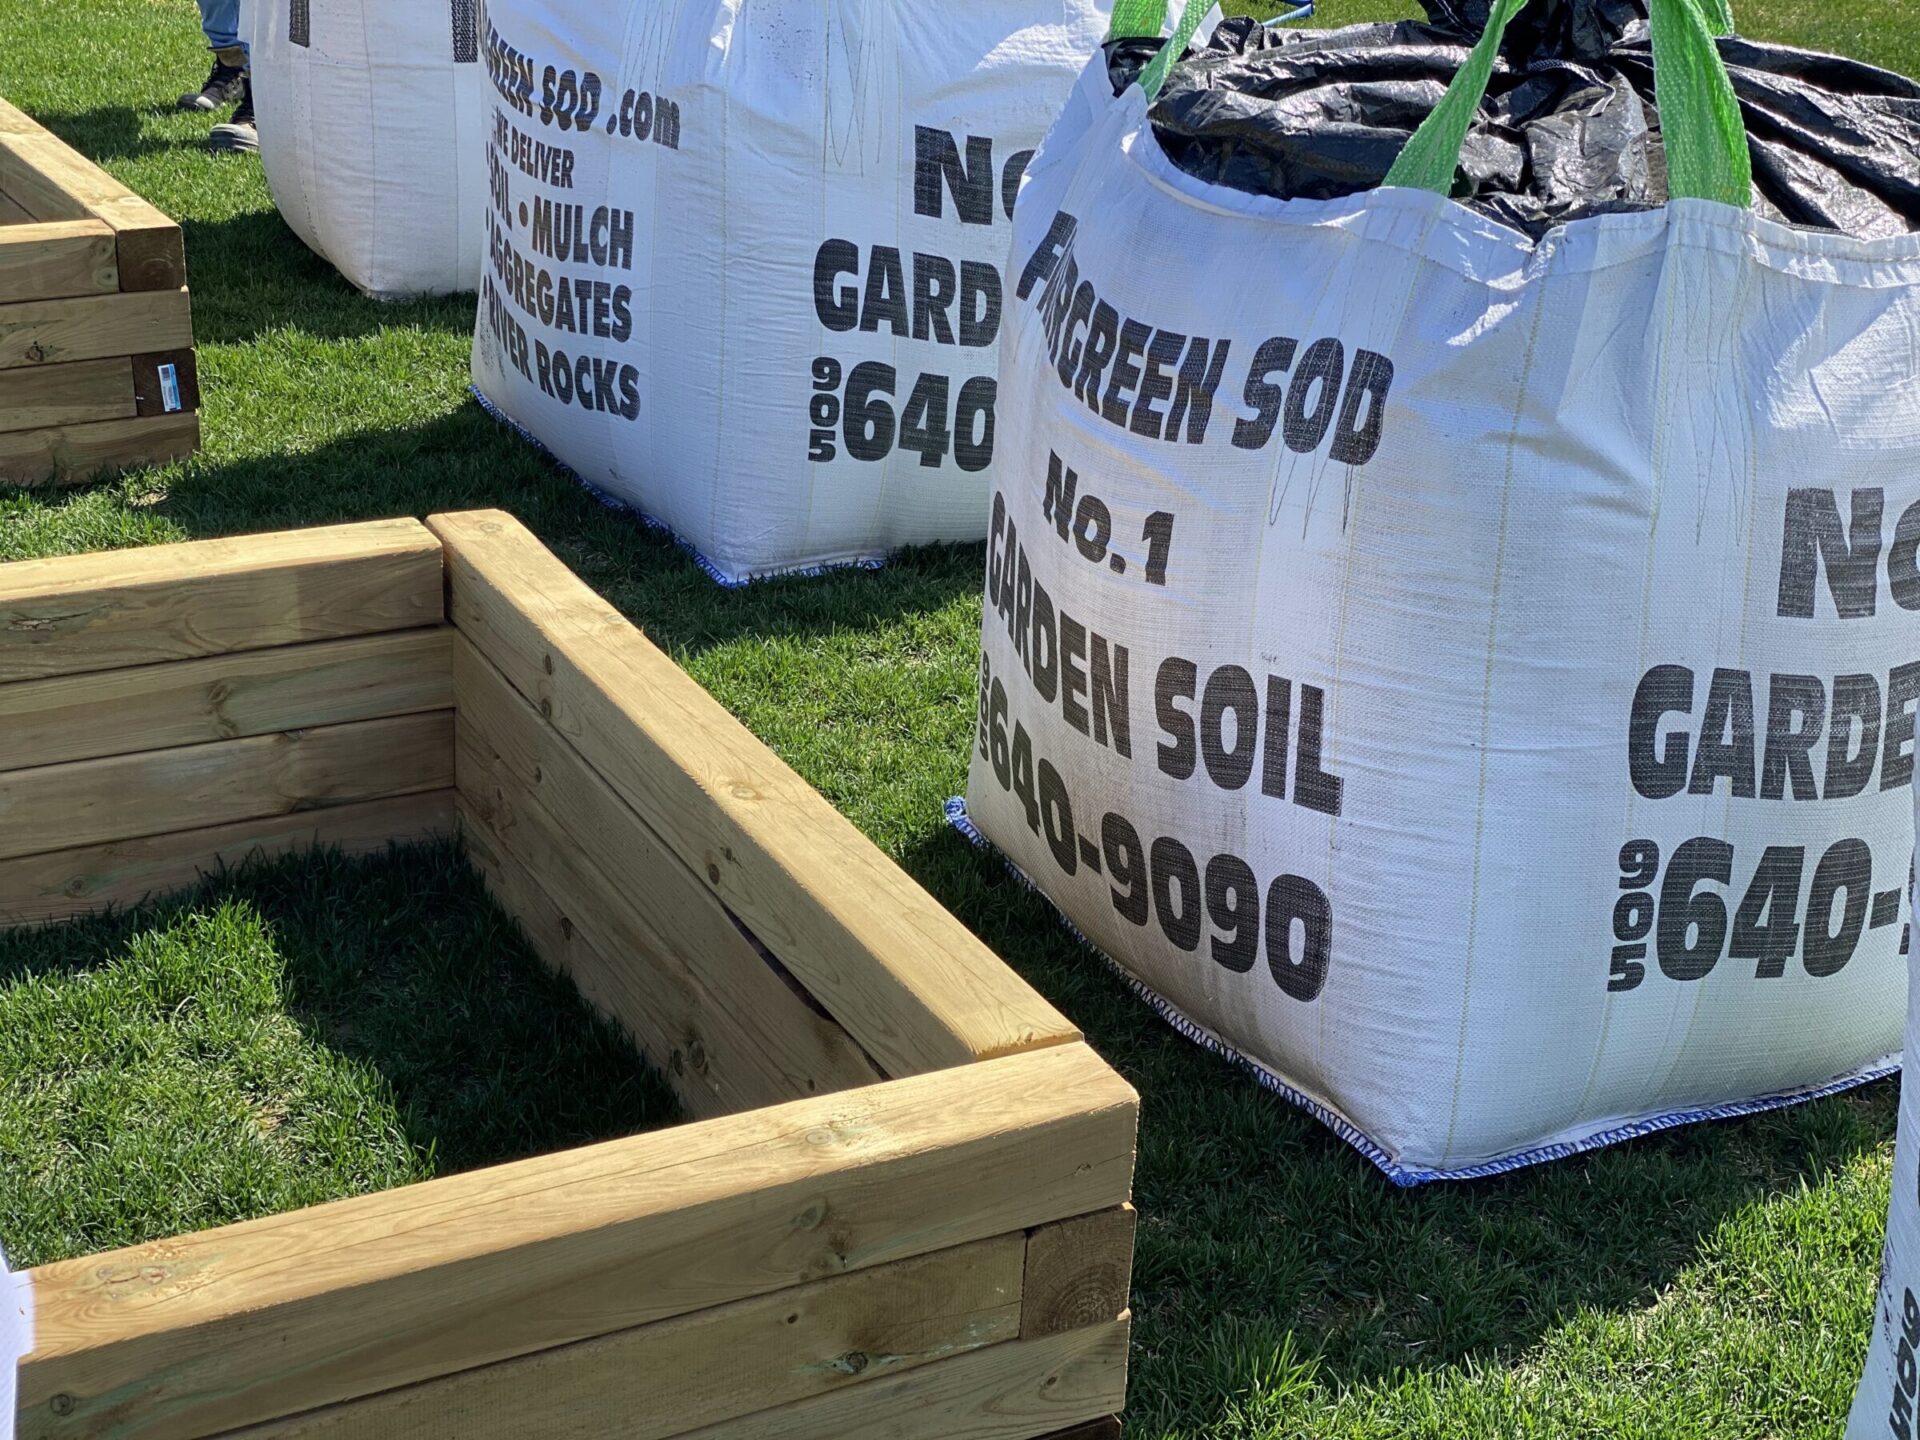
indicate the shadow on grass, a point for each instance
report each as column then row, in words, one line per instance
column 467, row 460
column 117, row 132
column 251, row 274
column 1264, row 1235
column 380, row 1018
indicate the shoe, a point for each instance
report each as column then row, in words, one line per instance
column 238, row 136
column 224, row 82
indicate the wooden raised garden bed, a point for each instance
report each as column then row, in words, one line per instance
column 901, row 1209
column 96, row 337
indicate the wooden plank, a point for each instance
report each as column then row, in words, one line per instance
column 147, row 243
column 49, row 260
column 77, row 882
column 225, row 697
column 68, row 454
column 658, row 1381
column 1004, row 1392
column 1107, row 1427
column 904, row 978
column 14, row 213
column 208, row 1332
column 53, row 181
column 78, row 613
column 44, row 176
column 625, row 970
column 35, row 180
column 48, row 395
column 93, row 327
column 158, row 390
column 1078, row 1272
column 123, row 797
column 666, row 1020
column 671, row 940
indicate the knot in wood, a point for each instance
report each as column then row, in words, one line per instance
column 810, row 1218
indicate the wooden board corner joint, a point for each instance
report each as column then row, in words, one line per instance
column 1078, row 1272
column 152, row 255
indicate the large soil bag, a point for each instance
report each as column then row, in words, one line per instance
column 1887, row 1404
column 16, row 1339
column 1471, row 680
column 744, row 256
column 370, row 120
column 1568, row 129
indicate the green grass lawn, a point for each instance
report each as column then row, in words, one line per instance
column 1713, row 1281
column 290, row 1033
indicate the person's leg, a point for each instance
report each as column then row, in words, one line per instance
column 220, row 22
column 231, row 78
column 238, row 132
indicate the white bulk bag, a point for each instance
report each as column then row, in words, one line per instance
column 1471, row 682
column 16, row 1339
column 744, row 256
column 1887, row 1403
column 370, row 121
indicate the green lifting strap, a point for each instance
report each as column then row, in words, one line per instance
column 1135, row 18
column 1700, row 123
column 1155, row 75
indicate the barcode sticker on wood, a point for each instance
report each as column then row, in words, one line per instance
column 169, row 388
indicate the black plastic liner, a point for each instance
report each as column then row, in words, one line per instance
column 1568, row 129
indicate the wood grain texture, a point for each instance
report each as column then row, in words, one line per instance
column 51, row 395
column 93, row 327
column 68, row 883
column 12, row 212
column 68, row 454
column 53, row 181
column 192, row 1336
column 148, row 245
column 1005, row 1392
column 50, row 260
column 35, row 177
column 660, row 1380
column 1107, row 1427
column 1078, row 1272
column 78, row 613
column 158, row 792
column 150, row 396
column 624, row 968
column 664, row 1016
column 675, row 949
column 224, row 697
column 900, row 974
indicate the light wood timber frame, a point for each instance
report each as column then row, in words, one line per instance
column 901, row 1209
column 97, row 367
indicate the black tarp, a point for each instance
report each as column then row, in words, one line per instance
column 1568, row 129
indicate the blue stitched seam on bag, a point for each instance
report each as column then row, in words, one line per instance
column 652, row 522
column 1404, row 1175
